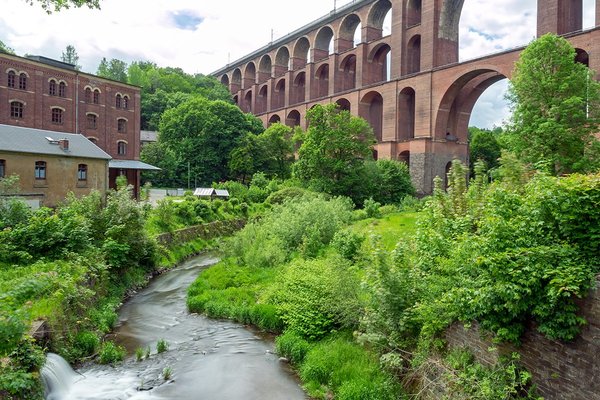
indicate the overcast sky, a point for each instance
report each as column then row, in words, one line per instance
column 203, row 35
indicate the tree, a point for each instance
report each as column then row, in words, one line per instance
column 334, row 150
column 70, row 56
column 5, row 49
column 556, row 108
column 203, row 133
column 115, row 69
column 57, row 5
column 484, row 146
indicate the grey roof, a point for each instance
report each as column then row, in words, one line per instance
column 38, row 141
column 131, row 164
column 148, row 136
column 222, row 193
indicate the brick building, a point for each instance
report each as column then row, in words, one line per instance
column 41, row 93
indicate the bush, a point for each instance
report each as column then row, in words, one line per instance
column 292, row 346
column 347, row 243
column 371, row 207
column 162, row 346
column 110, row 353
column 86, row 343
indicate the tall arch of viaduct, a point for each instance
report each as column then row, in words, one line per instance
column 408, row 84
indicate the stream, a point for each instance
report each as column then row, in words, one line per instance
column 209, row 359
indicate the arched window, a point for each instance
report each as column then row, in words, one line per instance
column 118, row 101
column 92, row 121
column 23, row 81
column 125, row 102
column 96, row 96
column 62, row 89
column 40, row 170
column 93, row 140
column 122, row 125
column 121, row 148
column 57, row 116
column 2, row 168
column 82, row 170
column 11, row 79
column 16, row 109
column 52, row 87
column 88, row 95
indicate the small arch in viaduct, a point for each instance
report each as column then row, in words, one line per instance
column 371, row 109
column 406, row 114
column 301, row 53
column 344, row 104
column 282, row 61
column 293, row 118
column 249, row 75
column 375, row 20
column 347, row 34
column 323, row 44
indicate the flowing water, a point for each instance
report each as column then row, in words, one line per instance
column 209, row 359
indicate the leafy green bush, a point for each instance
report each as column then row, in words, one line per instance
column 86, row 343
column 292, row 346
column 371, row 207
column 110, row 353
column 347, row 243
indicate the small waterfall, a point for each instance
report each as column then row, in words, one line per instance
column 57, row 375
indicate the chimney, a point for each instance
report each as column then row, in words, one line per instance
column 64, row 144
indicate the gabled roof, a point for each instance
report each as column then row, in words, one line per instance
column 132, row 164
column 17, row 139
column 204, row 192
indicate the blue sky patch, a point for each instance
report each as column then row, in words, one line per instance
column 186, row 20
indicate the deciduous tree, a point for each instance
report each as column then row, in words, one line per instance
column 556, row 108
column 70, row 56
column 57, row 5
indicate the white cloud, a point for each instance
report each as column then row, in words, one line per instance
column 146, row 30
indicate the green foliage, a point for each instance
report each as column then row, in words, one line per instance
column 167, row 373
column 86, row 343
column 292, row 346
column 114, row 69
column 484, row 146
column 468, row 379
column 371, row 207
column 348, row 370
column 334, row 149
column 5, row 49
column 316, row 297
column 203, row 133
column 556, row 109
column 57, row 5
column 140, row 354
column 70, row 56
column 110, row 353
column 162, row 346
column 347, row 243
column 391, row 182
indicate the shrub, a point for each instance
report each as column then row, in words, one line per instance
column 86, row 343
column 110, row 353
column 162, row 346
column 371, row 207
column 347, row 243
column 292, row 346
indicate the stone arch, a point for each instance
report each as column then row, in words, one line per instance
column 454, row 111
column 236, row 77
column 261, row 100
column 371, row 109
column 293, row 118
column 274, row 119
column 376, row 17
column 249, row 75
column 413, row 55
column 406, row 114
column 348, row 31
column 225, row 80
column 348, row 70
column 247, row 105
column 344, row 104
column 404, row 157
column 299, row 88
column 278, row 98
column 322, row 81
column 265, row 65
column 323, row 44
column 449, row 19
column 379, row 59
column 282, row 61
column 236, row 100
column 582, row 56
column 413, row 13
column 301, row 53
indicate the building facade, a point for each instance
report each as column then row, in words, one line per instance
column 406, row 81
column 41, row 93
column 50, row 164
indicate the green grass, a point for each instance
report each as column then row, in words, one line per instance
column 391, row 228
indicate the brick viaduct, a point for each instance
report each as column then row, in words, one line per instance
column 409, row 84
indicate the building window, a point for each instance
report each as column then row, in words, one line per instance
column 23, row 81
column 2, row 168
column 11, row 79
column 118, row 101
column 52, row 87
column 57, row 116
column 121, row 148
column 82, row 172
column 96, row 96
column 40, row 170
column 16, row 109
column 62, row 89
column 122, row 125
column 125, row 102
column 88, row 95
column 92, row 121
